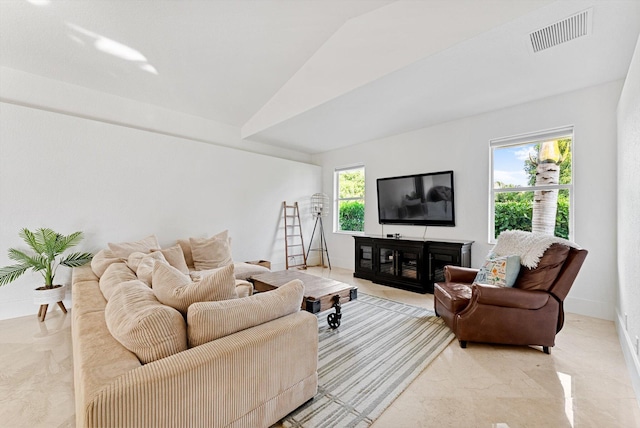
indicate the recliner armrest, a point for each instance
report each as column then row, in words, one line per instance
column 460, row 274
column 508, row 297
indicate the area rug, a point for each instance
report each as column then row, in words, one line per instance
column 379, row 349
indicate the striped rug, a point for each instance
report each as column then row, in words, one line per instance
column 378, row 350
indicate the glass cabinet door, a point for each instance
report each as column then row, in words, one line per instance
column 438, row 259
column 365, row 257
column 408, row 264
column 399, row 263
column 386, row 264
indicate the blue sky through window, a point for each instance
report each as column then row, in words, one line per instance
column 508, row 164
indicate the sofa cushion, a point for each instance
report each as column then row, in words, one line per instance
column 113, row 278
column 211, row 253
column 243, row 288
column 177, row 290
column 143, row 325
column 143, row 264
column 544, row 275
column 245, row 270
column 102, row 260
column 175, row 257
column 207, row 321
column 124, row 249
column 500, row 271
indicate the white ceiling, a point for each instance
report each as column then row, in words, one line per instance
column 316, row 75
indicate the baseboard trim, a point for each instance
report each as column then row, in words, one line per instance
column 630, row 356
column 590, row 308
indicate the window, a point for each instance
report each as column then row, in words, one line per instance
column 531, row 183
column 349, row 199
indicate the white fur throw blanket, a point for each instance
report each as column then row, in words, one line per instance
column 528, row 245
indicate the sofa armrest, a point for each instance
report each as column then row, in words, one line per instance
column 508, row 297
column 459, row 274
column 250, row 378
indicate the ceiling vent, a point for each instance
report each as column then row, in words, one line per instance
column 570, row 28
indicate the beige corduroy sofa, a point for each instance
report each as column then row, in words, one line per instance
column 252, row 377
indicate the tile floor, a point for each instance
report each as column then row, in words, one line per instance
column 583, row 383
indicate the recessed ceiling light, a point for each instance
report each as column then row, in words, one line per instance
column 39, row 2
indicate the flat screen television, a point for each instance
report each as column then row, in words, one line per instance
column 420, row 199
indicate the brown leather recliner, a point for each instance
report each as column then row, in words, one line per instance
column 530, row 313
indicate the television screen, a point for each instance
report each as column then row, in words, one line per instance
column 421, row 199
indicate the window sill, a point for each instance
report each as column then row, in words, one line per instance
column 347, row 232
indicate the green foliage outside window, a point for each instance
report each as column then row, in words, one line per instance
column 352, row 216
column 351, row 200
column 352, row 184
column 514, row 212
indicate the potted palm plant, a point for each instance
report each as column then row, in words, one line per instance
column 48, row 247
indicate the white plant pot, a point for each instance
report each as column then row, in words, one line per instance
column 49, row 296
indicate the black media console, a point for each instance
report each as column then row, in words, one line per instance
column 409, row 263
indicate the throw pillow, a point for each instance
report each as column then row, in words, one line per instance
column 175, row 257
column 102, row 260
column 143, row 325
column 211, row 253
column 143, row 264
column 207, row 321
column 175, row 289
column 500, row 271
column 243, row 288
column 186, row 250
column 113, row 278
column 124, row 249
column 245, row 270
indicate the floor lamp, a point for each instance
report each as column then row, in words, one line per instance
column 320, row 208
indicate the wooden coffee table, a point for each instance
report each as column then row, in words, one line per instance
column 319, row 295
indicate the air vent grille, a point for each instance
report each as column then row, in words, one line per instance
column 562, row 31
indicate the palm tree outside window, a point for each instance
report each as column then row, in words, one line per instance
column 531, row 183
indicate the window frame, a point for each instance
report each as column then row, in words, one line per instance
column 337, row 199
column 523, row 139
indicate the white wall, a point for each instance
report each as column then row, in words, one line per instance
column 118, row 183
column 628, row 304
column 463, row 146
column 18, row 87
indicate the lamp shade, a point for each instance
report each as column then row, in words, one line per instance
column 319, row 205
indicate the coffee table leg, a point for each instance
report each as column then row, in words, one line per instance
column 334, row 319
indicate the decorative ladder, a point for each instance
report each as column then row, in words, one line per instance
column 293, row 232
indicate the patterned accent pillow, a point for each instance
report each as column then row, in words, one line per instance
column 499, row 271
column 175, row 289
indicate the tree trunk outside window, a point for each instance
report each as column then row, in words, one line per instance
column 545, row 202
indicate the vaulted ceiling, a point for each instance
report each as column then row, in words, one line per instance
column 317, row 75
